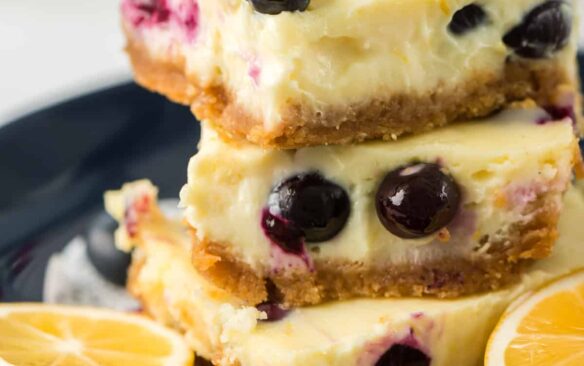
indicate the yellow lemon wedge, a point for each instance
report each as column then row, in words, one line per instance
column 542, row 328
column 52, row 335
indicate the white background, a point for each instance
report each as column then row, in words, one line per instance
column 55, row 49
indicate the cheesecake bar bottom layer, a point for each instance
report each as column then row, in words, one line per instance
column 358, row 332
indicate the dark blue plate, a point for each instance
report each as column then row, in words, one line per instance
column 55, row 165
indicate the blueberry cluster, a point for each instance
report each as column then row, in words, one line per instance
column 412, row 201
column 543, row 31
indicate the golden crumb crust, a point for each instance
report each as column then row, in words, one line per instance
column 499, row 264
column 180, row 316
column 384, row 118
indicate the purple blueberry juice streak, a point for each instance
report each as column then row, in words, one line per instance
column 255, row 72
column 288, row 247
column 254, row 69
column 417, row 315
column 274, row 311
column 146, row 13
column 187, row 16
column 282, row 233
column 557, row 114
column 155, row 13
column 519, row 196
column 464, row 224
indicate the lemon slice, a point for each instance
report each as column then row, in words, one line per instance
column 50, row 335
column 542, row 328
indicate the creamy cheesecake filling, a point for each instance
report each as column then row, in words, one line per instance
column 503, row 165
column 337, row 52
column 357, row 332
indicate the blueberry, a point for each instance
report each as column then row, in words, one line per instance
column 283, row 233
column 544, row 30
column 111, row 263
column 199, row 361
column 581, row 143
column 417, row 200
column 273, row 311
column 274, row 7
column 558, row 113
column 272, row 306
column 467, row 18
column 402, row 355
column 316, row 206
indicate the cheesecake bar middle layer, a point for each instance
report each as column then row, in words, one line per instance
column 364, row 332
column 342, row 71
column 455, row 211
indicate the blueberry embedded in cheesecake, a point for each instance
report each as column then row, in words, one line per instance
column 296, row 73
column 452, row 212
column 363, row 332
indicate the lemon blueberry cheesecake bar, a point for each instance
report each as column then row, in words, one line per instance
column 294, row 73
column 446, row 213
column 371, row 174
column 363, row 332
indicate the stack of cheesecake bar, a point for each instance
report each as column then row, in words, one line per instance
column 376, row 180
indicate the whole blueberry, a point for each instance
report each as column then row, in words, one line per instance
column 544, row 30
column 315, row 205
column 111, row 263
column 467, row 19
column 417, row 200
column 402, row 355
column 274, row 7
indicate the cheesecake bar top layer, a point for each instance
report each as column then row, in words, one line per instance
column 345, row 71
column 356, row 332
column 446, row 213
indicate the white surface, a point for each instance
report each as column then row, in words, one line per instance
column 54, row 49
column 71, row 279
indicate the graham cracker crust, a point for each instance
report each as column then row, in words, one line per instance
column 498, row 264
column 385, row 118
column 181, row 316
